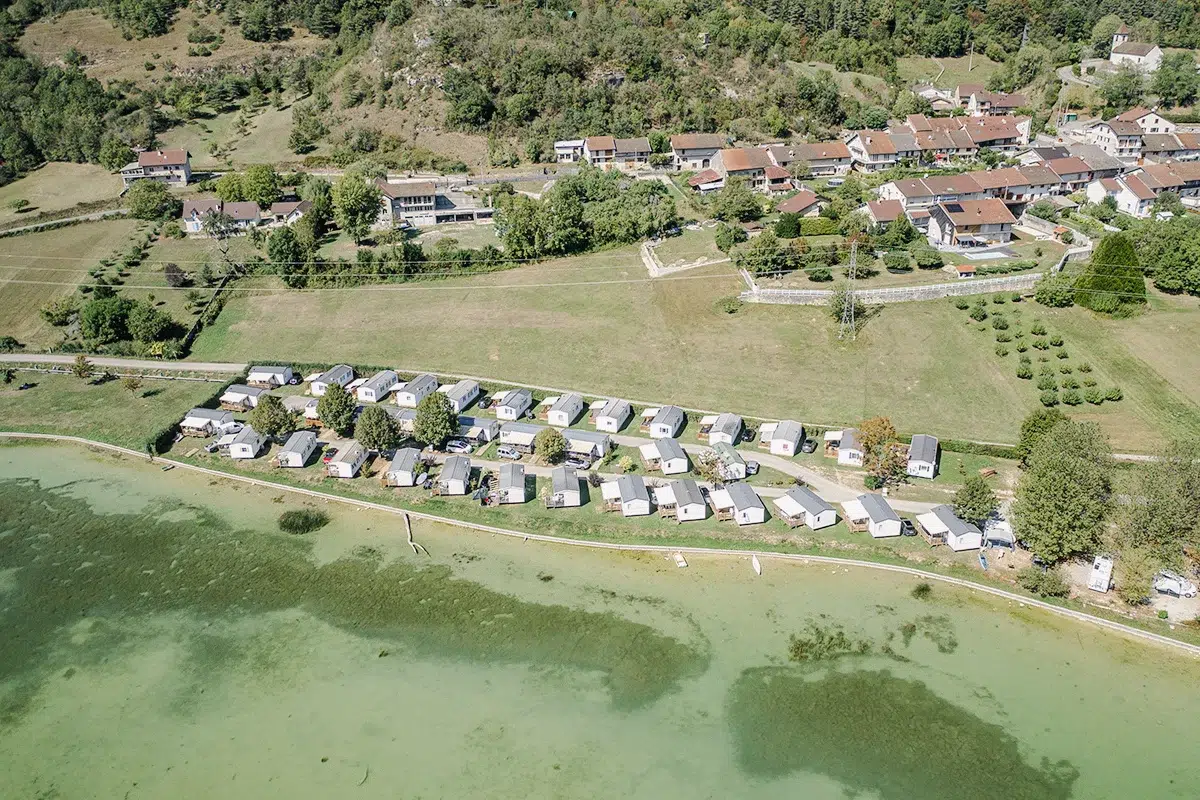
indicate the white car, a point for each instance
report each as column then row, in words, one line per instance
column 509, row 452
column 1174, row 584
column 231, row 427
column 459, row 446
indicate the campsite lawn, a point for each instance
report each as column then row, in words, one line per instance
column 55, row 187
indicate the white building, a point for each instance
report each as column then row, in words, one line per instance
column 666, row 421
column 246, row 443
column 738, row 502
column 269, row 377
column 565, row 489
column 626, row 494
column 511, row 490
column 455, row 476
column 377, row 388
column 405, row 469
column 923, row 456
column 611, row 415
column 781, row 438
column 716, row 428
column 881, row 521
column 681, row 499
column 695, row 151
column 204, row 421
column 172, row 167
column 478, row 429
column 849, row 452
column 664, row 455
column 730, row 463
column 416, row 390
column 513, row 404
column 565, row 410
column 594, row 444
column 800, row 506
column 461, row 394
column 941, row 524
column 347, row 461
column 342, row 374
column 297, row 450
column 239, row 397
column 568, row 151
column 520, row 435
column 1146, row 57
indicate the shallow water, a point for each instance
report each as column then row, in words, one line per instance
column 162, row 639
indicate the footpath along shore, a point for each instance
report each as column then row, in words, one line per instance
column 1080, row 616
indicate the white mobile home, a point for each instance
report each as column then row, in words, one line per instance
column 882, row 521
column 478, row 429
column 239, row 397
column 513, row 404
column 461, row 394
column 738, row 502
column 626, row 494
column 611, row 415
column 405, row 469
column 940, row 524
column 923, row 456
column 664, row 455
column 520, row 435
column 416, row 390
column 377, row 388
column 455, row 476
column 342, row 374
column 730, row 463
column 246, row 443
column 565, row 410
column 781, row 438
column 849, row 452
column 565, row 489
column 666, row 422
column 406, row 418
column 204, row 421
column 512, row 484
column 347, row 461
column 800, row 506
column 721, row 428
column 682, row 500
column 305, row 406
column 587, row 443
column 297, row 450
column 269, row 377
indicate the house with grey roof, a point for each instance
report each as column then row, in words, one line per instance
column 269, row 377
column 512, row 404
column 882, row 520
column 511, row 484
column 565, row 488
column 416, row 390
column 341, row 374
column 721, row 428
column 781, row 438
column 377, row 386
column 565, row 410
column 520, row 435
column 204, row 421
column 347, row 461
column 611, row 415
column 455, row 476
column 681, row 500
column 801, row 506
column 730, row 464
column 940, row 525
column 627, row 494
column 296, row 450
column 239, row 397
column 461, row 394
column 588, row 443
column 667, row 421
column 849, row 451
column 405, row 469
column 478, row 429
column 664, row 455
column 740, row 503
column 923, row 456
column 247, row 443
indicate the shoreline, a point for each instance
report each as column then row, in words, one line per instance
column 1079, row 616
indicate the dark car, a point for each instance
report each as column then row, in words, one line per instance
column 330, row 452
column 907, row 528
column 485, row 402
column 809, row 446
column 25, row 386
column 747, row 435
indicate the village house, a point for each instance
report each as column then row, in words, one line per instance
column 478, row 429
column 1143, row 55
column 238, row 397
column 565, row 410
column 872, row 151
column 923, row 456
column 631, row 154
column 413, row 392
column 269, row 377
column 681, row 500
column 1119, row 138
column 751, row 165
column 730, row 464
column 377, row 388
column 520, row 435
column 247, row 443
column 511, row 485
column 406, row 468
column 664, row 455
column 204, row 422
column 455, row 477
column 987, row 104
column 296, row 450
column 970, row 223
column 871, row 513
column 199, row 213
column 738, row 502
column 803, row 202
column 565, row 488
column 716, row 428
column 568, row 151
column 781, row 438
column 884, row 212
column 172, row 167
column 592, row 444
column 286, row 212
column 347, row 461
column 512, row 404
column 413, row 202
column 707, row 181
column 342, row 374
column 626, row 494
column 1132, row 195
column 1161, row 147
column 963, row 92
column 461, row 394
column 1073, row 174
column 941, row 526
column 824, row 159
column 914, row 193
column 600, row 151
column 695, row 151
column 611, row 415
column 664, row 422
column 800, row 506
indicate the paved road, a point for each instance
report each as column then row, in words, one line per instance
column 98, row 215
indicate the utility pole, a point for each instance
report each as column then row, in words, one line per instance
column 971, row 58
column 847, row 325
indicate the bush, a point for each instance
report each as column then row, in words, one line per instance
column 1022, row 347
column 1085, row 367
column 1041, row 344
column 820, row 274
column 961, row 304
column 1113, row 394
column 873, row 482
column 999, row 299
column 1056, row 341
column 1048, row 398
column 305, row 520
column 1025, row 372
column 897, row 261
column 1093, row 396
column 1015, row 297
column 1024, row 359
column 1045, row 584
column 818, row 226
column 928, row 258
column 1062, row 354
column 1089, row 382
column 1003, row 337
column 1047, row 383
column 1000, row 322
column 1038, row 329
column 978, row 312
column 1162, row 613
column 922, row 590
column 1069, row 383
column 1072, row 398
column 729, row 305
column 1001, row 350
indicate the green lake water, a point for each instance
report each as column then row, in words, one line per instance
column 161, row 638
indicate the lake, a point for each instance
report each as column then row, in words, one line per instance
column 162, row 638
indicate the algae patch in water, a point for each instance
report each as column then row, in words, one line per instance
column 139, row 565
column 878, row 733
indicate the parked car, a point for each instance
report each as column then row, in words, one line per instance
column 809, row 446
column 232, row 427
column 329, row 454
column 1174, row 584
column 577, row 461
column 747, row 435
column 907, row 528
column 485, row 401
column 211, row 447
column 458, row 446
column 751, row 468
column 509, row 452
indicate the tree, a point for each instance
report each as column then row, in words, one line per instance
column 230, row 188
column 115, row 154
column 1123, row 88
column 763, row 256
column 271, row 418
column 1160, row 517
column 1113, row 279
column 1102, row 34
column 736, row 202
column 260, row 184
column 1036, row 425
column 336, row 409
column 550, row 445
column 284, row 250
column 788, row 226
column 58, row 312
column 356, row 205
column 1175, row 81
column 105, row 320
column 146, row 323
column 435, row 421
column 150, row 200
column 376, row 429
column 728, row 235
column 1065, row 494
column 881, row 456
column 81, row 368
column 975, row 501
column 131, row 384
column 1168, row 201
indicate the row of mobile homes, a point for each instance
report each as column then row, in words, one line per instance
column 455, row 477
column 347, row 461
column 406, row 468
column 512, row 404
column 565, row 410
column 871, row 513
column 461, row 394
column 662, row 423
column 664, row 455
column 592, row 444
column 565, row 488
column 342, row 374
column 511, row 489
column 204, row 422
column 378, row 387
column 781, row 438
column 520, row 435
column 738, row 502
column 720, row 428
column 297, row 450
column 247, row 443
column 681, row 500
column 801, row 506
column 416, row 390
column 269, row 377
column 610, row 416
column 923, row 456
column 940, row 525
column 730, row 464
column 239, row 397
column 478, row 429
column 627, row 494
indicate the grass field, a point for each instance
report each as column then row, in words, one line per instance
column 926, row 70
column 266, row 141
column 845, row 80
column 689, row 247
column 55, row 187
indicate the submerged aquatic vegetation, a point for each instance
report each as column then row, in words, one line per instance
column 302, row 520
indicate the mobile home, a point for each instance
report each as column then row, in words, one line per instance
column 405, row 469
column 565, row 410
column 665, row 456
column 461, row 394
column 204, row 421
column 342, row 374
column 513, row 404
column 781, row 438
column 626, row 494
column 800, row 506
column 478, row 429
column 587, row 443
column 297, row 450
column 731, row 465
column 941, row 525
column 738, row 502
column 239, row 397
column 882, row 521
column 923, row 456
column 725, row 428
column 520, row 435
column 347, row 461
column 455, row 476
column 377, row 388
column 849, row 452
column 269, row 377
column 512, row 484
column 666, row 422
column 416, row 390
column 565, row 489
column 246, row 443
column 682, row 500
column 611, row 415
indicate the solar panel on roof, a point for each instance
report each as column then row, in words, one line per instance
column 954, row 208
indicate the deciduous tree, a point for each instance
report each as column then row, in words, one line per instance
column 271, row 418
column 550, row 445
column 356, row 205
column 435, row 421
column 376, row 429
column 336, row 409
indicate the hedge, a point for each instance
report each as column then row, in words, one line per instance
column 818, row 226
